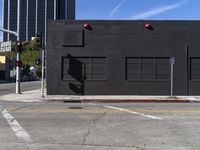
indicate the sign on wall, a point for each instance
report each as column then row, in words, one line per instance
column 5, row 46
column 2, row 62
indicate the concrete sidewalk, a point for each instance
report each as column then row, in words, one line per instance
column 35, row 96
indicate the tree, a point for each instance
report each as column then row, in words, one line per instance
column 29, row 54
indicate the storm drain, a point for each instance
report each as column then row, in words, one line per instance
column 72, row 101
column 75, row 107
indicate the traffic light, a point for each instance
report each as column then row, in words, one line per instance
column 18, row 63
column 39, row 43
column 18, row 46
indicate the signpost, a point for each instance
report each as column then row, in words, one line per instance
column 172, row 62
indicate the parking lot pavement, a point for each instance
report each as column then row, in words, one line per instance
column 92, row 126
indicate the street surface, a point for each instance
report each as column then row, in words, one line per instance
column 91, row 126
column 8, row 88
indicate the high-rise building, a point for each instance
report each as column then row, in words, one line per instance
column 33, row 16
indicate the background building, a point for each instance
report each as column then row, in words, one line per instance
column 33, row 16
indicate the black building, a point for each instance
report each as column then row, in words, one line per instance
column 33, row 16
column 123, row 57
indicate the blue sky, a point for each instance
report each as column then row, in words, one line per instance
column 138, row 9
column 135, row 9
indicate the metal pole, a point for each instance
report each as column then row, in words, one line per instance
column 172, row 73
column 18, row 55
column 36, row 17
column 9, row 31
column 172, row 62
column 45, row 36
column 3, row 11
column 27, row 11
column 55, row 10
column 42, row 84
column 8, row 27
column 43, row 51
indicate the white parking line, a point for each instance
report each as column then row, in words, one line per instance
column 92, row 104
column 17, row 128
column 135, row 113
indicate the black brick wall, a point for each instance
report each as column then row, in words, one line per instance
column 123, row 58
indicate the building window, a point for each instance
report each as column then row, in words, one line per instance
column 83, row 68
column 195, row 68
column 147, row 68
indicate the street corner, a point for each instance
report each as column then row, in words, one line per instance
column 23, row 97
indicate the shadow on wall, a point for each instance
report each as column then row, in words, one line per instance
column 77, row 70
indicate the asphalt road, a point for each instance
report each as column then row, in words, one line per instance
column 8, row 88
column 91, row 126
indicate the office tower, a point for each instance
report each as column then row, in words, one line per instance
column 33, row 16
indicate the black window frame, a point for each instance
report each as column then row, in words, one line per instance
column 92, row 79
column 155, row 74
column 191, row 70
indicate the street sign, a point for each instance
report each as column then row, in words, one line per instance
column 5, row 46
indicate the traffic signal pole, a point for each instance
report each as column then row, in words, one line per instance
column 42, row 81
column 43, row 52
column 17, row 61
column 41, row 45
column 16, row 33
column 18, row 91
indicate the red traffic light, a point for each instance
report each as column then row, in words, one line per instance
column 148, row 26
column 18, row 63
column 87, row 26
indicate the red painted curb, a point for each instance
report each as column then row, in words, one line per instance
column 135, row 101
column 118, row 101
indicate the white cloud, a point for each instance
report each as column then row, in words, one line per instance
column 159, row 10
column 114, row 10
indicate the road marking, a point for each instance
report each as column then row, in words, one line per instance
column 17, row 128
column 135, row 113
column 93, row 104
column 98, row 110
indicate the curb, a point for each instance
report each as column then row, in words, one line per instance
column 119, row 101
column 137, row 101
